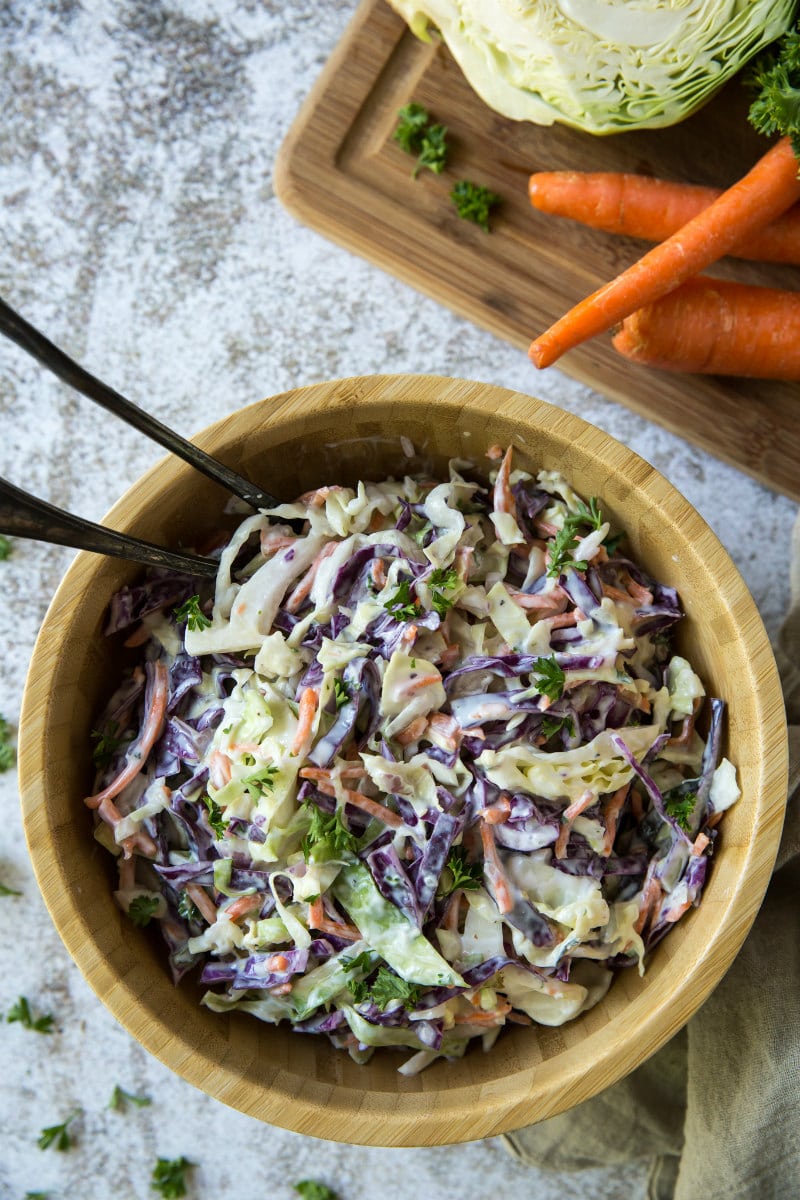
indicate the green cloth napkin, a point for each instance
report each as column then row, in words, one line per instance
column 717, row 1110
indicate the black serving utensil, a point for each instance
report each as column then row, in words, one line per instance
column 15, row 327
column 23, row 515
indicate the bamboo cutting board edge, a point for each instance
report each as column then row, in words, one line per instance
column 321, row 180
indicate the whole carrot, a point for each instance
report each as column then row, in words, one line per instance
column 768, row 190
column 654, row 209
column 717, row 328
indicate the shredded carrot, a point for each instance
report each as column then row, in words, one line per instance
column 378, row 573
column 305, row 720
column 151, row 732
column 373, row 808
column 220, row 769
column 302, row 591
column 499, row 812
column 141, row 840
column 563, row 620
column 699, row 844
column 764, row 193
column 281, row 989
column 653, row 209
column 649, row 901
column 317, row 497
column 416, row 685
column 318, row 920
column 503, row 497
column 272, row 542
column 494, row 453
column 201, row 900
column 712, row 327
column 519, row 1018
column 580, row 805
column 412, row 732
column 494, row 870
column 244, row 904
column 138, row 637
column 611, row 810
column 562, row 841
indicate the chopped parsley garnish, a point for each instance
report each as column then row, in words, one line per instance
column 567, row 538
column 402, row 605
column 341, row 692
column 36, row 1195
column 442, row 580
column 191, row 612
column 142, row 909
column 7, row 755
column 467, row 876
column 108, row 743
column 549, row 677
column 387, row 987
column 120, row 1099
column 309, row 1189
column 551, row 726
column 58, row 1135
column 187, row 908
column 262, row 781
column 681, row 808
column 21, row 1011
column 215, row 816
column 361, row 962
column 328, row 834
column 5, row 547
column 474, row 202
column 169, row 1177
column 7, row 891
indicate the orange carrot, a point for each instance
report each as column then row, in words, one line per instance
column 305, row 720
column 244, row 904
column 764, row 193
column 373, row 808
column 153, row 724
column 201, row 900
column 653, row 209
column 717, row 328
column 494, row 870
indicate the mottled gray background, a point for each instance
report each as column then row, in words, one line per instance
column 140, row 230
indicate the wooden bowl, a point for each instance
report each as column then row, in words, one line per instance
column 339, row 432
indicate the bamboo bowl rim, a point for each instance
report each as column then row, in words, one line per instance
column 475, row 1097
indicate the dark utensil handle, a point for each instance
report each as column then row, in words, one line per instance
column 15, row 327
column 22, row 515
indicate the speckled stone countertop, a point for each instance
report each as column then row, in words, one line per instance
column 140, row 230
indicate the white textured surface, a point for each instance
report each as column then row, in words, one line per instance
column 140, row 231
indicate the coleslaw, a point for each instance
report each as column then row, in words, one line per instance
column 425, row 764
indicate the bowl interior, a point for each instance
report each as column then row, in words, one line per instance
column 340, row 432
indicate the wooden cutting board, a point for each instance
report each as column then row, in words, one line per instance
column 340, row 172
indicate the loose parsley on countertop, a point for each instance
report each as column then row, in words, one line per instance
column 21, row 1011
column 169, row 1177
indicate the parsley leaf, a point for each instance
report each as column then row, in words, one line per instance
column 551, row 725
column 7, row 891
column 120, row 1099
column 402, row 605
column 5, row 547
column 309, row 1189
column 142, row 909
column 58, row 1135
column 187, row 908
column 474, row 202
column 7, row 755
column 341, row 692
column 261, row 781
column 361, row 962
column 36, row 1195
column 549, row 677
column 567, row 539
column 168, row 1177
column 467, row 876
column 327, row 836
column 108, row 742
column 388, row 986
column 191, row 612
column 413, row 120
column 21, row 1012
column 215, row 816
column 440, row 581
column 433, row 150
column 681, row 808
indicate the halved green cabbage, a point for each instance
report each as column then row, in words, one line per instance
column 599, row 65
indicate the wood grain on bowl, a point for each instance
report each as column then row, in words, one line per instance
column 338, row 432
